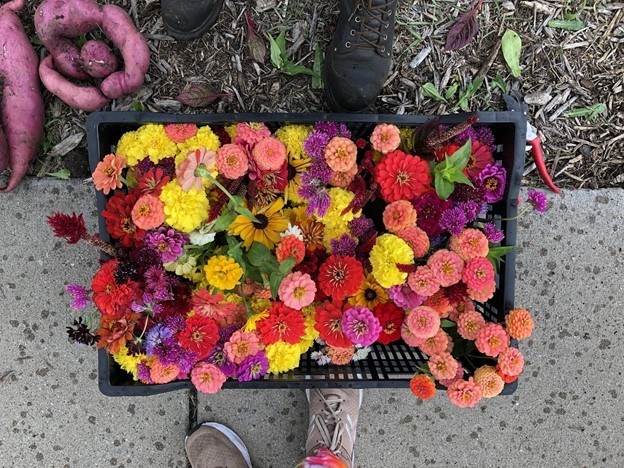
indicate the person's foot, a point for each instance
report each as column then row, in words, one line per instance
column 333, row 421
column 189, row 19
column 213, row 445
column 359, row 58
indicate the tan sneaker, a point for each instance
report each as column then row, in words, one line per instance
column 213, row 445
column 334, row 415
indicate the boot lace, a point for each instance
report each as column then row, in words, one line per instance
column 373, row 18
column 329, row 425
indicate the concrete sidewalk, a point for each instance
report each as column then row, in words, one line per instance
column 566, row 412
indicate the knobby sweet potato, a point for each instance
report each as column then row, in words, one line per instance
column 97, row 59
column 21, row 103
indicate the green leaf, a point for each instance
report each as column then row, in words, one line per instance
column 451, row 91
column 512, row 47
column 291, row 69
column 460, row 178
column 496, row 253
column 254, row 274
column 499, row 83
column 460, row 158
column 281, row 43
column 429, row 90
column 275, row 280
column 62, row 174
column 276, row 52
column 258, row 254
column 317, row 68
column 590, row 112
column 137, row 106
column 570, row 25
column 224, row 221
column 244, row 212
column 446, row 323
column 236, row 252
column 443, row 187
column 287, row 265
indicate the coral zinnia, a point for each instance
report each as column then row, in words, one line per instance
column 340, row 154
column 107, row 172
column 118, row 216
column 402, row 176
column 492, row 339
column 340, row 276
column 423, row 322
column 443, row 366
column 478, row 273
column 390, row 318
column 519, row 324
column 423, row 386
column 269, row 154
column 340, row 356
column 417, row 239
column 469, row 323
column 399, row 215
column 266, row 230
column 111, row 298
column 290, row 246
column 217, row 308
column 148, row 212
column 490, row 382
column 385, row 138
column 207, row 377
column 180, row 132
column 470, row 243
column 329, row 325
column 187, row 174
column 162, row 373
column 423, row 282
column 464, row 393
column 200, row 335
column 511, row 361
column 115, row 332
column 446, row 266
column 232, row 161
column 241, row 345
column 297, row 290
column 282, row 323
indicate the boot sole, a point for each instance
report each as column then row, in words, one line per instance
column 198, row 31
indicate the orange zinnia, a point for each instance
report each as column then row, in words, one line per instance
column 107, row 172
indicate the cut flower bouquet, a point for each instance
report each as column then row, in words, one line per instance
column 236, row 249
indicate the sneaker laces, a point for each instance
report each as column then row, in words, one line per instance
column 330, row 427
column 371, row 16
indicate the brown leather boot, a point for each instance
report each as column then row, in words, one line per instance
column 189, row 19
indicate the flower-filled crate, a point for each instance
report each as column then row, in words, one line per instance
column 292, row 251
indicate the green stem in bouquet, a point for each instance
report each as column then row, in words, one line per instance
column 518, row 215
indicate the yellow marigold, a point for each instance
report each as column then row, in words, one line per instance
column 490, row 382
column 128, row 362
column 340, row 199
column 311, row 333
column 293, row 137
column 282, row 357
column 155, row 143
column 204, row 138
column 296, row 214
column 130, row 148
column 369, row 294
column 184, row 211
column 259, row 304
column 252, row 321
column 223, row 272
column 388, row 251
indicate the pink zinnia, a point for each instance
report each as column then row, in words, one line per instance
column 470, row 243
column 466, row 306
column 492, row 339
column 297, row 290
column 423, row 282
column 269, row 154
column 241, row 345
column 251, row 133
column 489, row 381
column 478, row 273
column 232, row 161
column 207, row 377
column 399, row 215
column 185, row 172
column 408, row 336
column 360, row 325
column 341, row 154
column 436, row 344
column 447, row 267
column 443, row 366
column 163, row 373
column 484, row 294
column 181, row 132
column 423, row 322
column 148, row 212
column 469, row 323
column 417, row 239
column 342, row 179
column 106, row 176
column 464, row 393
column 459, row 375
column 511, row 361
column 386, row 138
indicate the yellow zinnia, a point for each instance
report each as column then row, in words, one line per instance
column 271, row 223
column 369, row 294
column 223, row 272
column 388, row 252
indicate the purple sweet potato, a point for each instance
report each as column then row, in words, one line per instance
column 21, row 103
column 97, row 59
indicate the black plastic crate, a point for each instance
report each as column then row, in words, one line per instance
column 387, row 366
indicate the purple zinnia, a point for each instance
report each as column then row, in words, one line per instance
column 219, row 358
column 345, row 245
column 453, row 220
column 80, row 295
column 169, row 351
column 538, row 200
column 253, row 367
column 404, row 297
column 168, row 242
column 493, row 235
column 143, row 373
column 360, row 325
column 492, row 179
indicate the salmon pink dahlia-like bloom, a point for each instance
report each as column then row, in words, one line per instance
column 386, row 138
column 440, row 303
column 469, row 244
column 343, row 178
column 402, row 176
column 447, row 267
column 180, row 132
column 464, row 393
column 492, row 339
column 423, row 386
column 329, row 325
column 148, row 212
column 340, row 276
column 107, row 173
column 269, row 154
column 207, row 377
column 399, row 215
column 459, row 375
column 290, row 246
column 340, row 356
column 484, row 294
column 436, row 344
column 251, row 133
column 511, row 361
column 200, row 335
column 478, row 273
column 423, row 322
column 519, row 324
column 341, row 154
column 490, row 382
column 423, row 282
column 360, row 325
column 443, row 366
column 161, row 373
column 215, row 307
column 408, row 336
column 241, row 345
column 232, row 161
column 297, row 290
column 283, row 323
column 469, row 323
column 417, row 239
column 185, row 172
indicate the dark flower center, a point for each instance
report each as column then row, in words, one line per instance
column 262, row 222
column 292, row 172
column 370, row 294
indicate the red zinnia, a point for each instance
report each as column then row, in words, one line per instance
column 200, row 335
column 118, row 215
column 480, row 156
column 390, row 318
column 423, row 386
column 506, row 377
column 111, row 298
column 153, row 181
column 329, row 325
column 447, row 150
column 115, row 332
column 340, row 276
column 283, row 323
column 402, row 176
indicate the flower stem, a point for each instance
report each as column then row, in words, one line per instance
column 107, row 248
column 518, row 215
